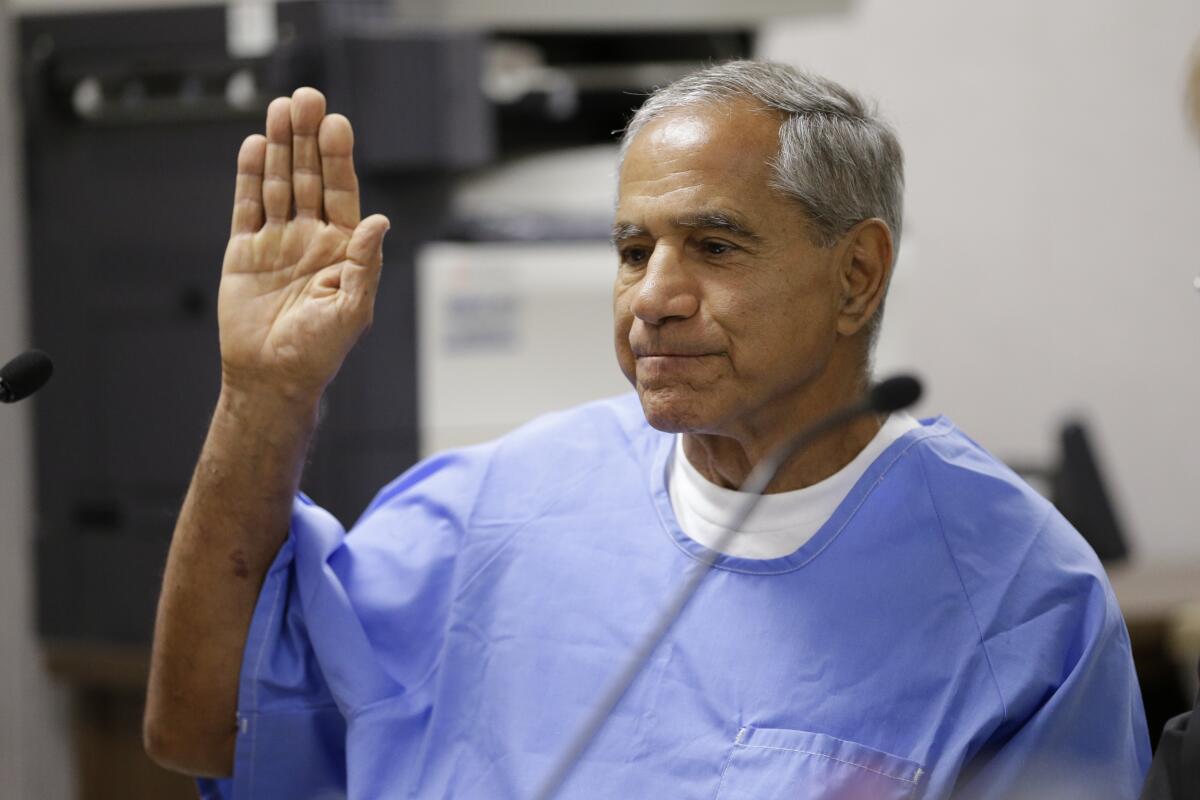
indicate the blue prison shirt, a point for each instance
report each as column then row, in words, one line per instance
column 946, row 632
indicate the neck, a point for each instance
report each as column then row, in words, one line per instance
column 727, row 461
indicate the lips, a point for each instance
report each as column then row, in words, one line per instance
column 654, row 367
column 672, row 351
column 672, row 355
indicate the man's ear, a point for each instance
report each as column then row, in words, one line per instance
column 865, row 266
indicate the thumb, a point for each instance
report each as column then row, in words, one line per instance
column 360, row 278
column 366, row 243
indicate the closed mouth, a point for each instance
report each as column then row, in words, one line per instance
column 673, row 355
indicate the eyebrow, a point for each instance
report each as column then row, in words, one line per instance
column 716, row 219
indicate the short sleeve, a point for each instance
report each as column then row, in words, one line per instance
column 1076, row 728
column 345, row 621
column 291, row 734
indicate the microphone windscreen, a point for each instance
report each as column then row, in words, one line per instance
column 894, row 394
column 24, row 375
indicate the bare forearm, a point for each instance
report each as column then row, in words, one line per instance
column 232, row 523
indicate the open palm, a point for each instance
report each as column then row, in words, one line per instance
column 301, row 270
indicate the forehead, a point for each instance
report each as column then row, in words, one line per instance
column 709, row 155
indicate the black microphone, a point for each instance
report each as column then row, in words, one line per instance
column 893, row 394
column 24, row 375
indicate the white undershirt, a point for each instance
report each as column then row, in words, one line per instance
column 781, row 522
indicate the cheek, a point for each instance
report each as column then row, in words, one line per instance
column 622, row 318
column 770, row 330
column 622, row 322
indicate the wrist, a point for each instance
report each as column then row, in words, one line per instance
column 267, row 412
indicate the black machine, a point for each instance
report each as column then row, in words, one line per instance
column 1076, row 484
column 131, row 124
column 1081, row 494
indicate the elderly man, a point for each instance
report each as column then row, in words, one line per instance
column 900, row 617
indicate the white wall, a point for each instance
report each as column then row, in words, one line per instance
column 35, row 757
column 1053, row 208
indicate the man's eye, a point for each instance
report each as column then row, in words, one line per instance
column 634, row 255
column 715, row 248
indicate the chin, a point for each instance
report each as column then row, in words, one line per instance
column 673, row 410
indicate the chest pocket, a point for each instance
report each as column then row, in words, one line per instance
column 776, row 764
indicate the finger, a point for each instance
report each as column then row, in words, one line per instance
column 247, row 197
column 277, row 178
column 366, row 243
column 308, row 109
column 360, row 279
column 336, row 143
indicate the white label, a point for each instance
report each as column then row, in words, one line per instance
column 250, row 28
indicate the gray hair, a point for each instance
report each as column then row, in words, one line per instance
column 837, row 158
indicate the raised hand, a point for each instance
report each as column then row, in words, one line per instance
column 301, row 270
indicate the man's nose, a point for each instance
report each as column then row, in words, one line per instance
column 667, row 289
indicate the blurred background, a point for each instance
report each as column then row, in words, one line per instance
column 1044, row 288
